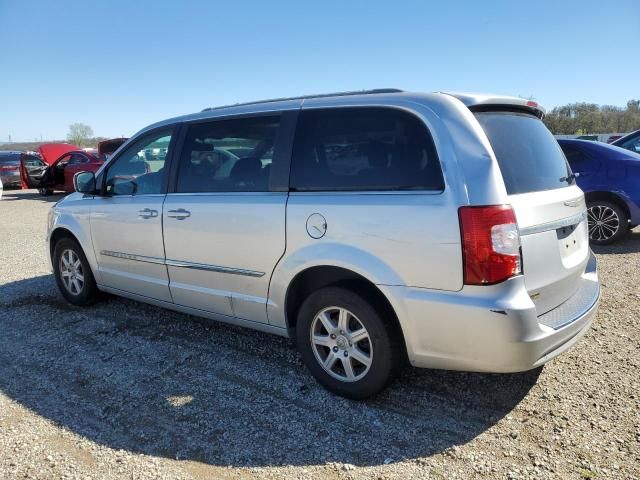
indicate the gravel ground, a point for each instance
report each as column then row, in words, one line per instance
column 126, row 390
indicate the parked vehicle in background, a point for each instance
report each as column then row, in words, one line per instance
column 613, row 138
column 629, row 142
column 10, row 167
column 106, row 148
column 372, row 227
column 57, row 164
column 1, row 188
column 610, row 179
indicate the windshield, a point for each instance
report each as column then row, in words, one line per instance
column 529, row 156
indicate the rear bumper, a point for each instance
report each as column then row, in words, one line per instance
column 491, row 329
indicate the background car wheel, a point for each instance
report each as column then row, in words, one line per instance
column 607, row 222
column 73, row 274
column 346, row 344
column 45, row 192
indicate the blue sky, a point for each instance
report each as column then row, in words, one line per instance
column 120, row 65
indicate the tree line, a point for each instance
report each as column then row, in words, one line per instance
column 79, row 134
column 585, row 118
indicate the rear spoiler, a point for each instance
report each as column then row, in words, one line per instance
column 482, row 102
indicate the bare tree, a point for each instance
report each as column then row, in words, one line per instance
column 79, row 134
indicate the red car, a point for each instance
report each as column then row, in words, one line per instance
column 60, row 162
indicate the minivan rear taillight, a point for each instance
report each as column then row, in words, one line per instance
column 490, row 244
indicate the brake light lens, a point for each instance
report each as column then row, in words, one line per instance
column 490, row 244
column 9, row 168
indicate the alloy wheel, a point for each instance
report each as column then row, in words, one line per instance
column 604, row 222
column 341, row 344
column 71, row 272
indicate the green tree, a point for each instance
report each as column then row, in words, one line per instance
column 79, row 134
column 590, row 118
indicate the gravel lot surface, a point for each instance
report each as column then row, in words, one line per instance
column 125, row 390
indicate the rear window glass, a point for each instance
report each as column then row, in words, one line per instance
column 10, row 159
column 529, row 156
column 363, row 149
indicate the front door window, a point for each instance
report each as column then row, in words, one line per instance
column 140, row 169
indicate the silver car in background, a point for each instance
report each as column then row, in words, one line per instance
column 10, row 169
column 371, row 227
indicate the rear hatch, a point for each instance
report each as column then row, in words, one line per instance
column 549, row 207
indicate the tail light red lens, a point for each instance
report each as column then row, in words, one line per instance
column 8, row 168
column 490, row 244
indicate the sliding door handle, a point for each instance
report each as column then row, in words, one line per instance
column 179, row 214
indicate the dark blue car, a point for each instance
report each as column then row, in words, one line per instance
column 610, row 179
column 630, row 142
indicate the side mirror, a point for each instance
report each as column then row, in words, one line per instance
column 84, row 182
column 124, row 187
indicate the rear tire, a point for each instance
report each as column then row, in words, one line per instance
column 346, row 344
column 73, row 273
column 607, row 222
column 45, row 192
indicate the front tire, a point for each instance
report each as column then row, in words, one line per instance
column 346, row 344
column 45, row 192
column 607, row 222
column 73, row 274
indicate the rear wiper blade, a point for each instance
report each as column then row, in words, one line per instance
column 569, row 178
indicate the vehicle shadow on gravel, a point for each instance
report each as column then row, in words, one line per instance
column 139, row 378
column 629, row 244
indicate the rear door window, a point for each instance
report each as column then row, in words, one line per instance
column 363, row 149
column 232, row 155
column 529, row 156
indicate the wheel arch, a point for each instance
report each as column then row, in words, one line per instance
column 320, row 276
column 61, row 231
column 57, row 235
column 609, row 196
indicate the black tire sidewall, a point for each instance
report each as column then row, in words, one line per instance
column 624, row 222
column 89, row 292
column 386, row 357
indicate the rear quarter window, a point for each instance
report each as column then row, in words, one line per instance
column 363, row 148
column 529, row 157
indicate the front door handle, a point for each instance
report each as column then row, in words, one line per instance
column 147, row 213
column 179, row 214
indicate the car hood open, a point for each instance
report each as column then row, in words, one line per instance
column 50, row 152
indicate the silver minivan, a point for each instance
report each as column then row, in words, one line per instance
column 373, row 228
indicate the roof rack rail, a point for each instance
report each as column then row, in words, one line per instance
column 304, row 97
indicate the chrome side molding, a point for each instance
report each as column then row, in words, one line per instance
column 182, row 264
column 213, row 268
column 136, row 258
